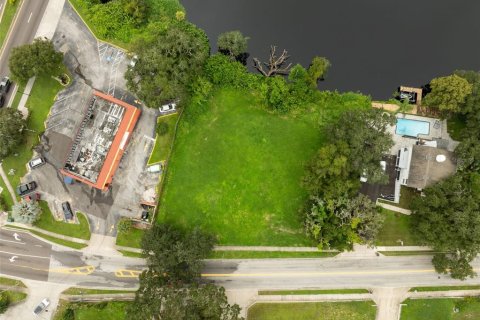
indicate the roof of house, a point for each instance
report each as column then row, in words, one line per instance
column 425, row 170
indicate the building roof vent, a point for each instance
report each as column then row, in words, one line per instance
column 441, row 158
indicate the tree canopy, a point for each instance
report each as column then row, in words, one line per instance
column 12, row 125
column 34, row 59
column 168, row 63
column 170, row 288
column 156, row 299
column 318, row 70
column 177, row 254
column 341, row 222
column 447, row 219
column 232, row 43
column 448, row 93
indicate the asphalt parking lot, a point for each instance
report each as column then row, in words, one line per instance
column 99, row 66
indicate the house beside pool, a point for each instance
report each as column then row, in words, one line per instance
column 421, row 156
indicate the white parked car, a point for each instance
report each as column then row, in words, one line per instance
column 37, row 162
column 168, row 108
column 42, row 306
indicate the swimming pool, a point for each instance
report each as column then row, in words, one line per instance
column 412, row 128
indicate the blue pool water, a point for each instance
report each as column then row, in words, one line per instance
column 407, row 127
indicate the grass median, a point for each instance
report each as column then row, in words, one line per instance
column 269, row 254
column 7, row 18
column 309, row 291
column 111, row 310
column 164, row 138
column 353, row 310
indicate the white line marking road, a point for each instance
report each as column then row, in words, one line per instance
column 12, row 241
column 29, row 17
column 25, row 255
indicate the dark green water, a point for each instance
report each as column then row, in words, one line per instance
column 374, row 45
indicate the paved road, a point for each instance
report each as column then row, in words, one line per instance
column 23, row 31
column 38, row 260
column 78, row 268
column 24, row 256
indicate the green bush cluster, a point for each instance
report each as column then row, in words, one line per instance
column 126, row 20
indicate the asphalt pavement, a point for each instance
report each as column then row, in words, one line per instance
column 23, row 255
column 24, row 28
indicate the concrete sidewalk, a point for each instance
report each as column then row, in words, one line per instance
column 394, row 208
column 7, row 183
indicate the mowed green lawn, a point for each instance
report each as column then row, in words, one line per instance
column 236, row 172
column 396, row 227
column 441, row 309
column 353, row 310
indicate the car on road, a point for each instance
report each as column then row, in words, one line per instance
column 67, row 211
column 5, row 85
column 37, row 162
column 26, row 188
column 168, row 108
column 42, row 306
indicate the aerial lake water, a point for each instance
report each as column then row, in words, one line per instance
column 374, row 45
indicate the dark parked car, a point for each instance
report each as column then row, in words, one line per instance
column 67, row 211
column 5, row 85
column 26, row 188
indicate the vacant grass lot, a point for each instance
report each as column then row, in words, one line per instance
column 237, row 173
column 269, row 254
column 236, row 169
column 163, row 143
column 354, row 310
column 47, row 222
column 395, row 228
column 441, row 309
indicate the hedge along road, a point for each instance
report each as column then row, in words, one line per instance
column 374, row 46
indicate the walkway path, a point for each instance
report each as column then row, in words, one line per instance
column 7, row 183
column 388, row 302
column 394, row 208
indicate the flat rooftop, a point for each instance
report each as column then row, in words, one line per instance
column 100, row 141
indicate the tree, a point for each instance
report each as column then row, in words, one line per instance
column 448, row 93
column 328, row 174
column 366, row 133
column 125, row 225
column 232, row 43
column 34, row 59
column 447, row 220
column 155, row 299
column 276, row 65
column 318, row 70
column 26, row 212
column 137, row 9
column 341, row 222
column 12, row 125
column 457, row 264
column 468, row 154
column 168, row 63
column 175, row 253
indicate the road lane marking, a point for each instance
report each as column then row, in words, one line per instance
column 82, row 271
column 25, row 255
column 12, row 259
column 12, row 241
column 29, row 17
column 123, row 273
column 15, row 235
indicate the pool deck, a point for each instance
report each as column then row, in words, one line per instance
column 438, row 132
